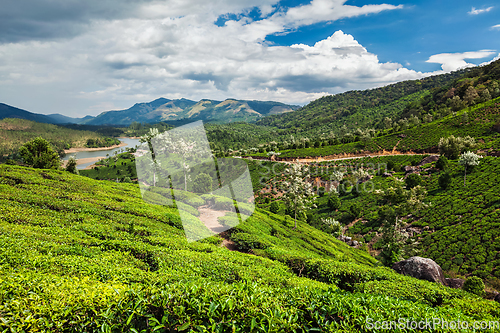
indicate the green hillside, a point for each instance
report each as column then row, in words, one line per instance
column 84, row 255
column 15, row 132
column 479, row 123
column 358, row 108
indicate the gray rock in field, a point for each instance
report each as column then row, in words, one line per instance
column 429, row 159
column 420, row 268
column 347, row 239
column 497, row 298
column 386, row 174
column 411, row 169
column 455, row 283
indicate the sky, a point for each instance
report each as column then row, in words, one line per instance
column 81, row 58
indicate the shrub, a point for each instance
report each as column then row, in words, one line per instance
column 442, row 163
column 247, row 242
column 71, row 165
column 321, row 191
column 474, row 285
column 413, row 180
column 355, row 210
column 444, row 180
column 334, row 202
column 390, row 165
column 275, row 207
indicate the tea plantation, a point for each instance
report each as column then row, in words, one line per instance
column 80, row 255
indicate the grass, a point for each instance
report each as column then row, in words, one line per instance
column 84, row 255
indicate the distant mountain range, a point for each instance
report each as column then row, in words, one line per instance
column 163, row 109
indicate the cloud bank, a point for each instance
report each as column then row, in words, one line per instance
column 85, row 57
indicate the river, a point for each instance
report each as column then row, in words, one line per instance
column 90, row 157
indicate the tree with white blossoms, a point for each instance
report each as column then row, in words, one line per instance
column 336, row 176
column 334, row 226
column 468, row 159
column 298, row 194
column 399, row 202
column 146, row 138
column 181, row 147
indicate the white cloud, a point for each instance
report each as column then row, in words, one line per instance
column 453, row 61
column 475, row 11
column 496, row 27
column 161, row 50
column 295, row 17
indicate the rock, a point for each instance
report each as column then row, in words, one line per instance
column 497, row 298
column 420, row 268
column 410, row 169
column 354, row 243
column 455, row 283
column 402, row 136
column 347, row 239
column 386, row 174
column 428, row 159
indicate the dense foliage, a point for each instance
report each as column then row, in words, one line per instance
column 84, row 255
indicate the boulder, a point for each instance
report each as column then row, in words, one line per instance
column 386, row 174
column 410, row 169
column 428, row 159
column 497, row 298
column 420, row 268
column 455, row 283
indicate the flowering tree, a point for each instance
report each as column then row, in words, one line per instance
column 334, row 226
column 468, row 159
column 298, row 195
column 153, row 132
column 400, row 202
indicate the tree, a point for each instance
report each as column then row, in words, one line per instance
column 444, row 180
column 485, row 95
column 146, row 138
column 387, row 122
column 38, row 153
column 202, row 183
column 399, row 202
column 456, row 103
column 336, row 228
column 298, row 195
column 470, row 95
column 465, row 117
column 334, row 202
column 452, row 146
column 442, row 163
column 71, row 165
column 468, row 159
column 413, row 180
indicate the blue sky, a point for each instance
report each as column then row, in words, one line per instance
column 414, row 33
column 79, row 58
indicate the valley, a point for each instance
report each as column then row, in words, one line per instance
column 345, row 189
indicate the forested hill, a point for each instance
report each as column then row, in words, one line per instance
column 360, row 108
